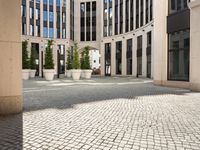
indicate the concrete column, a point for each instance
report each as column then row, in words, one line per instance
column 160, row 39
column 144, row 56
column 124, row 58
column 10, row 57
column 194, row 45
column 113, row 58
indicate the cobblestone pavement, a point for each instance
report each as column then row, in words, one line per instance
column 103, row 114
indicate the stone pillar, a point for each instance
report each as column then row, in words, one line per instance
column 160, row 41
column 194, row 45
column 144, row 55
column 10, row 57
column 134, row 56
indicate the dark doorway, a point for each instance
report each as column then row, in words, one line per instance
column 61, row 60
column 35, row 53
column 108, row 59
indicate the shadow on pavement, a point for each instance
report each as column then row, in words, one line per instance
column 66, row 96
column 11, row 132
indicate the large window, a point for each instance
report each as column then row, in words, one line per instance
column 139, row 55
column 127, row 15
column 108, row 59
column 88, row 21
column 119, row 57
column 116, row 17
column 177, row 5
column 129, row 56
column 94, row 21
column 82, row 7
column 121, row 17
column 178, row 55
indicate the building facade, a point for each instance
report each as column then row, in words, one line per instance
column 140, row 38
column 126, row 41
column 176, row 38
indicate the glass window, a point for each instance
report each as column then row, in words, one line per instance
column 50, row 2
column 51, row 15
column 45, row 16
column 177, row 5
column 178, row 55
column 44, row 1
column 57, row 2
column 50, row 32
column 45, row 32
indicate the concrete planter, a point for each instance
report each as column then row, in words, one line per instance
column 68, row 73
column 76, row 74
column 32, row 73
column 87, row 74
column 82, row 74
column 48, row 74
column 25, row 74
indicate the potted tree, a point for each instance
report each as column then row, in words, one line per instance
column 76, row 72
column 32, row 65
column 87, row 67
column 69, row 64
column 82, row 64
column 25, row 61
column 49, row 64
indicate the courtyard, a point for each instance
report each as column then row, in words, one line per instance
column 104, row 113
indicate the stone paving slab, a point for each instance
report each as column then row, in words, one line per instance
column 116, row 116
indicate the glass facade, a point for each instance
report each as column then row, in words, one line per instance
column 178, row 55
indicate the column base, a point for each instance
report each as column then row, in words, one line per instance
column 175, row 84
column 11, row 105
column 195, row 87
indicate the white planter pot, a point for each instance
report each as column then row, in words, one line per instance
column 68, row 73
column 82, row 74
column 76, row 74
column 48, row 74
column 88, row 74
column 32, row 73
column 25, row 74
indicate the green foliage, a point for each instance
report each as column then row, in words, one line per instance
column 83, row 60
column 87, row 58
column 25, row 58
column 69, row 60
column 76, row 61
column 49, row 64
column 32, row 60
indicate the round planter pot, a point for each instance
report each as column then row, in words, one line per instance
column 32, row 73
column 88, row 74
column 25, row 74
column 82, row 74
column 76, row 74
column 48, row 74
column 68, row 73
